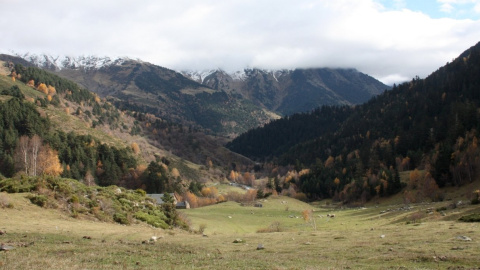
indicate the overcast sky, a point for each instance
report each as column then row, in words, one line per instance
column 391, row 40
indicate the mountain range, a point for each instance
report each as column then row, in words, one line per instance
column 427, row 128
column 225, row 103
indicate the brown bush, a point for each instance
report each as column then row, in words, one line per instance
column 274, row 227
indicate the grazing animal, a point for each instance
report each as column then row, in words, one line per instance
column 331, row 215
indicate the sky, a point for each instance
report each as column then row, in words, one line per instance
column 391, row 40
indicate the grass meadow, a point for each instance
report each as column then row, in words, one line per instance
column 383, row 236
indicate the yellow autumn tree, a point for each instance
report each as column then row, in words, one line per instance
column 330, row 162
column 135, row 147
column 211, row 192
column 307, row 214
column 175, row 173
column 48, row 162
column 336, row 181
column 42, row 88
column 31, row 83
column 51, row 90
column 232, row 176
column 191, row 199
column 414, row 179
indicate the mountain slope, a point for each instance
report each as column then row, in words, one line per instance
column 225, row 103
column 292, row 91
column 140, row 86
column 427, row 124
column 93, row 137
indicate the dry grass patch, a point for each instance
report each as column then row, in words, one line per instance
column 354, row 239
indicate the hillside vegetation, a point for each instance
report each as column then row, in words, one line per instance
column 147, row 88
column 356, row 153
column 91, row 140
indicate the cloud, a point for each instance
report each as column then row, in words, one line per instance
column 363, row 34
column 463, row 6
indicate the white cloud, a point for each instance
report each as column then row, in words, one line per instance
column 449, row 6
column 234, row 34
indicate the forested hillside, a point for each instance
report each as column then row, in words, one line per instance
column 31, row 144
column 356, row 153
column 146, row 88
column 36, row 141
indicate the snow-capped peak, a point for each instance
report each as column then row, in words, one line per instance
column 239, row 75
column 71, row 62
column 198, row 76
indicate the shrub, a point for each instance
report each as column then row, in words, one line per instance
column 274, row 227
column 154, row 220
column 74, row 199
column 4, row 201
column 40, row 200
column 14, row 185
column 126, row 204
column 121, row 218
column 202, row 227
column 443, row 208
column 471, row 218
column 142, row 192
column 416, row 217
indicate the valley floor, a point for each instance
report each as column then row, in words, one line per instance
column 378, row 237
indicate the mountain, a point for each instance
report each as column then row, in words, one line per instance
column 292, row 91
column 141, row 86
column 224, row 103
column 431, row 124
column 88, row 138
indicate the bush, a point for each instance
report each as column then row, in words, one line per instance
column 471, row 218
column 274, row 227
column 121, row 218
column 40, row 200
column 14, row 185
column 142, row 192
column 416, row 217
column 154, row 220
column 74, row 199
column 4, row 201
column 202, row 227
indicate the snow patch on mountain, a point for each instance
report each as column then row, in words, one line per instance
column 239, row 75
column 70, row 62
column 198, row 76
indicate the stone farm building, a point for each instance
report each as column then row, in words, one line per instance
column 178, row 204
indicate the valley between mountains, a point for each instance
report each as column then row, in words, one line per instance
column 260, row 169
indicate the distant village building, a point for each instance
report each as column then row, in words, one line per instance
column 178, row 204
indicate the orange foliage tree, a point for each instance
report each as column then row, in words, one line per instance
column 191, row 199
column 42, row 88
column 49, row 163
column 135, row 148
column 51, row 90
column 175, row 173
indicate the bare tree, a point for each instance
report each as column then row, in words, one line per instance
column 34, row 145
column 89, row 179
column 21, row 154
